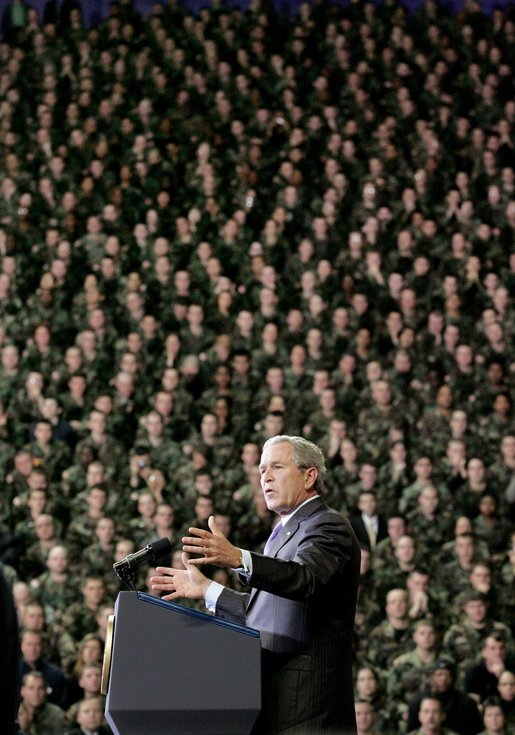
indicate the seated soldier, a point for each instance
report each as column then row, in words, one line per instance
column 39, row 715
column 32, row 660
column 98, row 557
column 392, row 636
column 461, row 713
column 431, row 717
column 80, row 617
column 56, row 588
column 482, row 679
column 409, row 672
column 90, row 716
column 365, row 718
column 464, row 641
column 81, row 531
column 494, row 719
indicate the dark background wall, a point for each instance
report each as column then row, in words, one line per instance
column 95, row 10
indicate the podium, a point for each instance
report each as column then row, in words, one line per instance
column 171, row 670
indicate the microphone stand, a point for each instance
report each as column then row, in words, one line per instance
column 127, row 576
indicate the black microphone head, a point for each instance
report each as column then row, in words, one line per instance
column 160, row 547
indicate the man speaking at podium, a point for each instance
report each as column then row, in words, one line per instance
column 302, row 598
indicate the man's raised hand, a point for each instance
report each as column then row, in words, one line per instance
column 212, row 545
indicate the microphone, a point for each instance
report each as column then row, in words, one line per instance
column 151, row 553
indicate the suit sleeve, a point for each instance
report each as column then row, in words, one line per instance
column 326, row 550
column 232, row 606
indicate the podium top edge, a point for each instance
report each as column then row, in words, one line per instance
column 196, row 614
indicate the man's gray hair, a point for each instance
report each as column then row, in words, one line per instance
column 305, row 455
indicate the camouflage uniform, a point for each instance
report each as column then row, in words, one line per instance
column 59, row 647
column 78, row 621
column 373, row 428
column 166, row 457
column 384, row 644
column 80, row 535
column 49, row 719
column 34, row 562
column 453, row 578
column 408, row 501
column 463, row 643
column 408, row 675
column 430, row 534
column 252, row 531
column 55, row 596
column 384, row 554
column 94, row 560
column 54, row 459
column 110, row 453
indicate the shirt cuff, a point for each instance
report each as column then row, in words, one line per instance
column 245, row 571
column 213, row 592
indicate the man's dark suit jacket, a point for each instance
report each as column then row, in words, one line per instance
column 9, row 656
column 303, row 602
column 360, row 530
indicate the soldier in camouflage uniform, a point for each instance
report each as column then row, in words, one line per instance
column 427, row 523
column 409, row 672
column 464, row 641
column 374, row 423
column 393, row 635
column 431, row 716
column 367, row 481
column 45, row 527
column 396, row 574
column 80, row 617
column 98, row 558
column 73, row 478
column 43, row 717
column 11, row 374
column 81, row 531
column 105, row 448
column 28, row 511
column 17, row 479
column 142, row 526
column 56, row 588
column 53, row 455
column 89, row 682
column 384, row 552
column 220, row 448
column 254, row 526
column 503, row 468
column 59, row 646
column 423, row 469
column 453, row 577
column 164, row 453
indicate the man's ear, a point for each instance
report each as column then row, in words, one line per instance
column 310, row 478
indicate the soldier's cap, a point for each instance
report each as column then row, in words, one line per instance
column 444, row 663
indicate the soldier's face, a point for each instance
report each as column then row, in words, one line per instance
column 31, row 648
column 366, row 683
column 441, row 680
column 364, row 716
column 33, row 691
column 494, row 719
column 90, row 715
column 425, row 637
column 93, row 591
column 430, row 715
column 475, row 611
